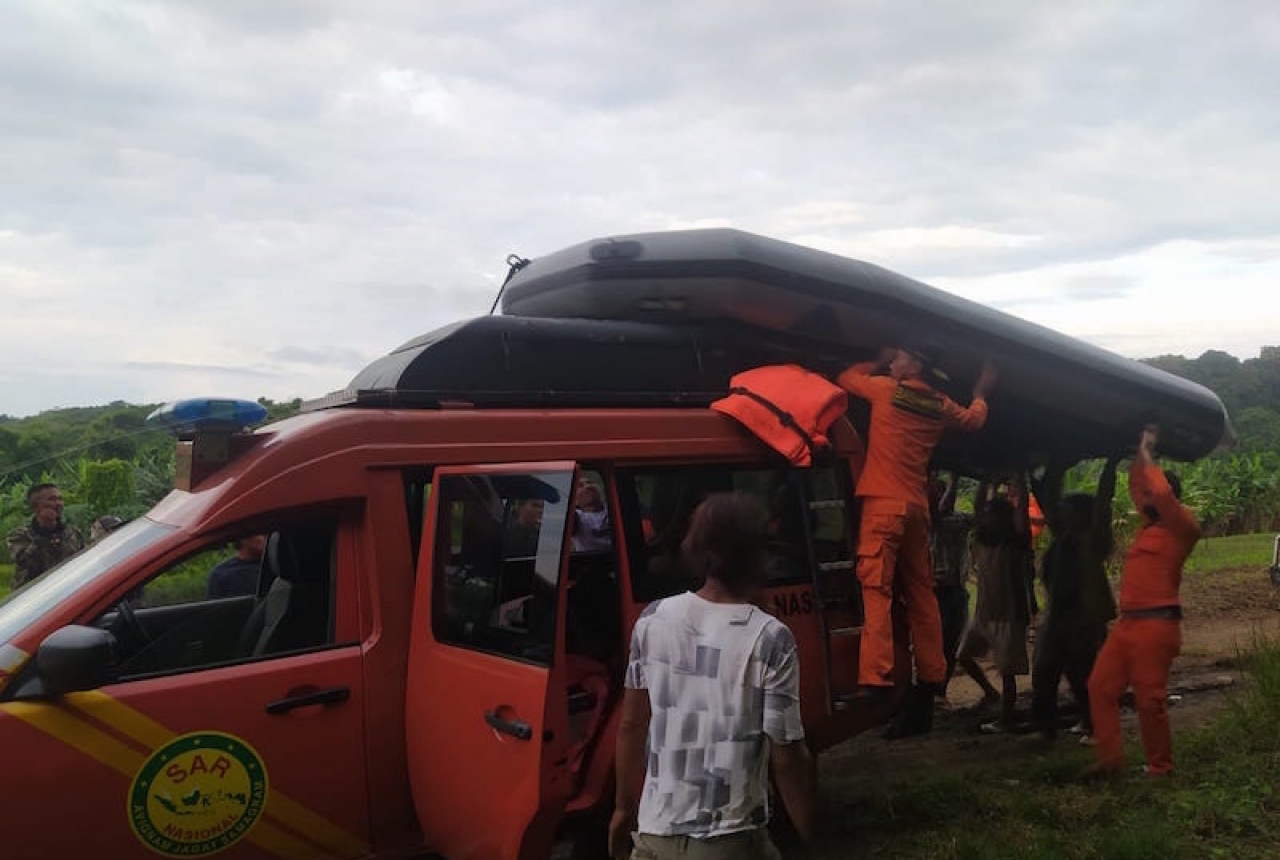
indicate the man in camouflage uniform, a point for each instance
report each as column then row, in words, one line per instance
column 46, row 540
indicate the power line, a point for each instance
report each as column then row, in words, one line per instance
column 22, row 467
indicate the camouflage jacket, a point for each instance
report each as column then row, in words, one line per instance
column 34, row 550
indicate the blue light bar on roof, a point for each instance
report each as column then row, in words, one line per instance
column 207, row 415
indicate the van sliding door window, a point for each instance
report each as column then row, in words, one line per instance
column 658, row 503
column 496, row 570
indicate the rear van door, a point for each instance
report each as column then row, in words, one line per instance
column 485, row 708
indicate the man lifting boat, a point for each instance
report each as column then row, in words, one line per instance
column 908, row 417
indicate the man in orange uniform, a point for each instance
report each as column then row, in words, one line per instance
column 1141, row 646
column 907, row 419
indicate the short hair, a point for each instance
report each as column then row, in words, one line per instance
column 725, row 540
column 39, row 488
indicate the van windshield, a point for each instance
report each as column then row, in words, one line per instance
column 34, row 599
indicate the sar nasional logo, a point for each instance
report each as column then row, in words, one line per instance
column 197, row 794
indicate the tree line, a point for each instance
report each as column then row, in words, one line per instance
column 107, row 460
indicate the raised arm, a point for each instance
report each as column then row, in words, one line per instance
column 947, row 503
column 981, row 498
column 974, row 416
column 861, row 380
column 1101, row 528
column 1021, row 514
column 1048, row 490
column 1149, row 487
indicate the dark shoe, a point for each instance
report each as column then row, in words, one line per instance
column 869, row 696
column 915, row 716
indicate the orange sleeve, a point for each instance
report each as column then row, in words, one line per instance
column 969, row 418
column 1148, row 485
column 1138, row 485
column 858, row 381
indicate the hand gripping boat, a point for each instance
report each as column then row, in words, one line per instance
column 1058, row 397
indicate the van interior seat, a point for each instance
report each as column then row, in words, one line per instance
column 294, row 612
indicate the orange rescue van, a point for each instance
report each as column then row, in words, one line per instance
column 430, row 656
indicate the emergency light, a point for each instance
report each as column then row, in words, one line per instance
column 185, row 418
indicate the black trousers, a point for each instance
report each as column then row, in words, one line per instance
column 953, row 607
column 1061, row 653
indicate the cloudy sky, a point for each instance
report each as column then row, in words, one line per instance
column 254, row 198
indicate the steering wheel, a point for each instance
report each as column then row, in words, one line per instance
column 132, row 624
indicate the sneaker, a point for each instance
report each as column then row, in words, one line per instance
column 995, row 727
column 1079, row 729
column 1087, row 741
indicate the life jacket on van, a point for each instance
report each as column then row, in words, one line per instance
column 787, row 407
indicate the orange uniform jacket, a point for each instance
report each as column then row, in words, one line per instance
column 1153, row 567
column 907, row 420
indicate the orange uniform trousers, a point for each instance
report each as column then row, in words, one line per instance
column 893, row 547
column 1138, row 652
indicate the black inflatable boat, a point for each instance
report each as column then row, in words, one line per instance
column 1057, row 397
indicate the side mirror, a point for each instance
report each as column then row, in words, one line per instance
column 75, row 658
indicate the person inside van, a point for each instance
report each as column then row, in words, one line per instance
column 908, row 418
column 521, row 539
column 237, row 576
column 713, row 645
column 592, row 526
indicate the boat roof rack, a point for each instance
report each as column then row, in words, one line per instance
column 501, row 361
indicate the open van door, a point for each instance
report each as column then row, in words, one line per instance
column 485, row 706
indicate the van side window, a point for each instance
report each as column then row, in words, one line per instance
column 496, row 569
column 658, row 503
column 261, row 594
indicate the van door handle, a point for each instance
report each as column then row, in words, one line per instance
column 331, row 696
column 518, row 729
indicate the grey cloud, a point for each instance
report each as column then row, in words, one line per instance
column 283, row 173
column 324, row 356
column 1093, row 288
column 184, row 367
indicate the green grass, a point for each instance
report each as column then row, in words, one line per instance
column 6, row 579
column 1226, row 553
column 1223, row 802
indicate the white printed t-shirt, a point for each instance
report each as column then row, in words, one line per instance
column 722, row 678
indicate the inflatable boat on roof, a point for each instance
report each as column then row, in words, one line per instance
column 1057, row 396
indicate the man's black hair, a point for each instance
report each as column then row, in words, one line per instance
column 725, row 540
column 37, row 488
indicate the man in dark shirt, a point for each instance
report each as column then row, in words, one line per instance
column 1080, row 604
column 238, row 576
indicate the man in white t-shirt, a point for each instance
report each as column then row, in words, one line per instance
column 712, row 699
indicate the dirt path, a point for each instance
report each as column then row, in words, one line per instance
column 1226, row 614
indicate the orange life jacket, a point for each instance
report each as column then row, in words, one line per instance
column 787, row 407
